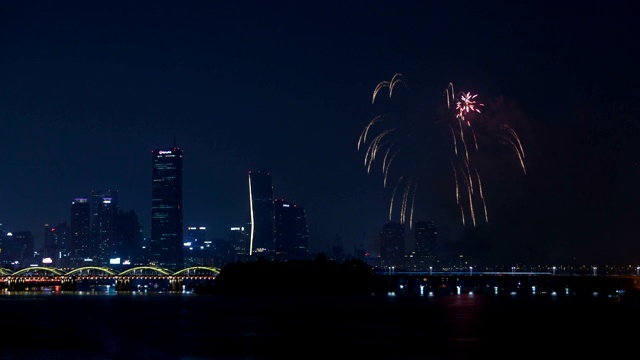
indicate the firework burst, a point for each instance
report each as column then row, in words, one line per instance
column 386, row 138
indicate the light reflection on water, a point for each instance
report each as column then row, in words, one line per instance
column 99, row 325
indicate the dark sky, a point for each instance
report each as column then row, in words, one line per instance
column 88, row 89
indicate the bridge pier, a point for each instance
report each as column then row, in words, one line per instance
column 175, row 284
column 123, row 285
column 69, row 284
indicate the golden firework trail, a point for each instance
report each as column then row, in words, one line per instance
column 464, row 143
column 397, row 78
column 515, row 145
column 466, row 177
column 455, row 142
column 403, row 210
column 381, row 85
column 475, row 141
column 373, row 148
column 393, row 196
column 363, row 134
column 413, row 200
column 484, row 204
column 405, row 202
column 462, row 162
column 455, row 175
column 449, row 94
column 520, row 156
column 386, row 170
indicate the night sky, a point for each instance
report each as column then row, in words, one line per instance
column 89, row 89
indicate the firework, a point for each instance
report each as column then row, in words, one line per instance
column 467, row 104
column 396, row 79
column 468, row 183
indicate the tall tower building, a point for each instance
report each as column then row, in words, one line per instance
column 128, row 246
column 80, row 230
column 261, row 203
column 392, row 243
column 57, row 245
column 239, row 240
column 194, row 247
column 291, row 232
column 25, row 246
column 104, row 225
column 425, row 237
column 166, row 245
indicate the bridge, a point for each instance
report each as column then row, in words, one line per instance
column 100, row 277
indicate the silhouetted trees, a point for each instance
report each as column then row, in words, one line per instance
column 320, row 276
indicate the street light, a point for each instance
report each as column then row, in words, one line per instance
column 595, row 270
column 431, row 270
column 470, row 270
column 638, row 271
column 554, row 270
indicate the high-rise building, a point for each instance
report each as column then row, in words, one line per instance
column 196, row 235
column 392, row 243
column 194, row 247
column 239, row 241
column 166, row 243
column 80, row 230
column 24, row 248
column 104, row 225
column 425, row 239
column 57, row 245
column 128, row 246
column 291, row 232
column 261, row 204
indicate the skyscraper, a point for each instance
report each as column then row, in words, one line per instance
column 57, row 245
column 425, row 245
column 261, row 204
column 291, row 232
column 166, row 245
column 128, row 246
column 104, row 225
column 425, row 237
column 239, row 241
column 392, row 243
column 80, row 230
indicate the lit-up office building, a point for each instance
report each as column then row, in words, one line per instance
column 261, row 206
column 166, row 243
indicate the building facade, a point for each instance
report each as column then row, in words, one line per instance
column 128, row 245
column 291, row 231
column 426, row 236
column 392, row 238
column 104, row 226
column 80, row 225
column 262, row 241
column 426, row 246
column 166, row 243
column 57, row 250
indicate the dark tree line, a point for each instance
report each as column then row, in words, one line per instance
column 318, row 276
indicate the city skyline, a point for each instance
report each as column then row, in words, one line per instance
column 89, row 90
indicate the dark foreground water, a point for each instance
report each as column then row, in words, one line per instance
column 44, row 325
